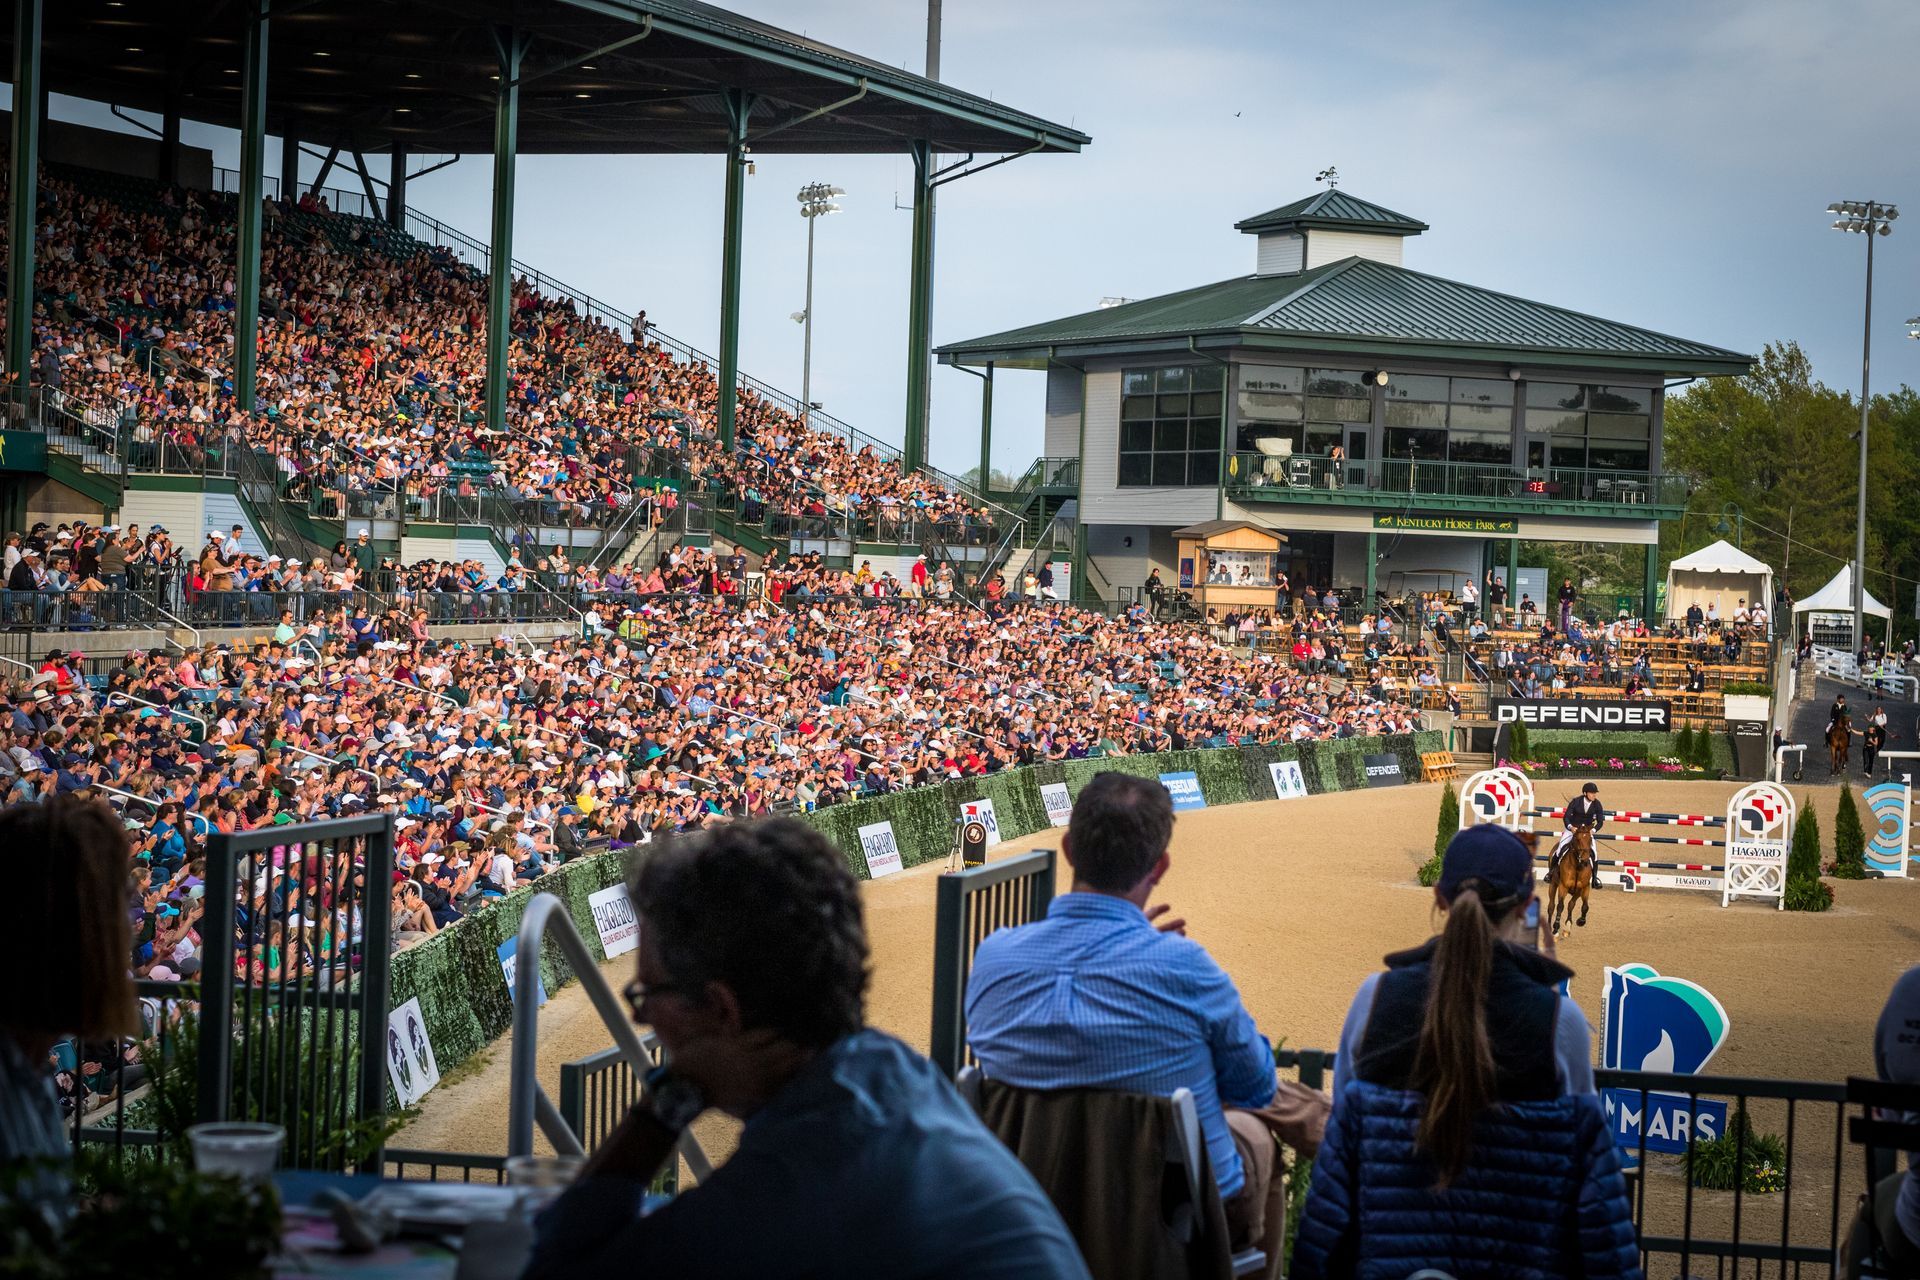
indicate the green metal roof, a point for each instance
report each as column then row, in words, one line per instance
column 1336, row 209
column 1360, row 305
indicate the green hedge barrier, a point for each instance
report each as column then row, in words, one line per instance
column 1551, row 744
column 456, row 973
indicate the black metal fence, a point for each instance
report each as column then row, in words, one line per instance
column 970, row 905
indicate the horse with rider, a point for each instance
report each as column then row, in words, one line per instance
column 1570, row 868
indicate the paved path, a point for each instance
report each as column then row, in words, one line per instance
column 1807, row 723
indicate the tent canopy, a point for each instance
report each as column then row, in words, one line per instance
column 1720, row 575
column 1837, row 597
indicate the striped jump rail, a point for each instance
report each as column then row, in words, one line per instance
column 1629, row 864
column 1646, row 819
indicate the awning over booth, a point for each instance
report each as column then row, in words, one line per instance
column 1720, row 574
column 1837, row 597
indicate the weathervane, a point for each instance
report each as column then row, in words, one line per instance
column 1328, row 175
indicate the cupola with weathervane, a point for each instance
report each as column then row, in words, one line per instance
column 1326, row 227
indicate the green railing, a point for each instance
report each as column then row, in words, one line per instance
column 1312, row 477
column 1058, row 474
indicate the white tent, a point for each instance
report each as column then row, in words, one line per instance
column 1837, row 597
column 1719, row 575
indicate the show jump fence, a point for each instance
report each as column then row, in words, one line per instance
column 1758, row 831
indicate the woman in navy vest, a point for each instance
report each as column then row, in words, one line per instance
column 1466, row 1135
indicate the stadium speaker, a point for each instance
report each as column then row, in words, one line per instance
column 973, row 843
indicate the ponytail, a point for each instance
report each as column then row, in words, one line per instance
column 1453, row 1065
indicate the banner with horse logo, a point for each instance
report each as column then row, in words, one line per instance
column 1759, row 832
column 1888, row 839
column 1500, row 795
column 1670, row 1026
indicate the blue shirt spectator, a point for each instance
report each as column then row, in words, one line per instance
column 1096, row 997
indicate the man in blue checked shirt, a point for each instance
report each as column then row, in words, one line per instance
column 1107, row 993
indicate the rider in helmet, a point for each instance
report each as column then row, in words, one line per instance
column 1839, row 713
column 1584, row 810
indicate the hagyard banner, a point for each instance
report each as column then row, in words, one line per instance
column 613, row 917
column 881, row 849
column 1584, row 713
column 1059, row 803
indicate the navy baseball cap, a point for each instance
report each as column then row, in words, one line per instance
column 1491, row 854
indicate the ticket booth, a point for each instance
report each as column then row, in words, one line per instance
column 1230, row 565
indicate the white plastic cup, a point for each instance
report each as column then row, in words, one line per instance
column 236, row 1149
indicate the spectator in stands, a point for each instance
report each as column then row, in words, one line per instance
column 1108, row 993
column 858, row 1158
column 1892, row 1213
column 1470, row 1022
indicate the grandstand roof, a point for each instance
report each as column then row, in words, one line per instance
column 1336, row 210
column 362, row 74
column 1355, row 305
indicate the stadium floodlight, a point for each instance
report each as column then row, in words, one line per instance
column 1868, row 218
column 816, row 201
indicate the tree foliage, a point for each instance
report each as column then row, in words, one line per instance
column 1805, row 890
column 1849, row 841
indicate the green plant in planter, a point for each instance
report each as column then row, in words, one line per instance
column 1702, row 756
column 1849, row 841
column 156, row 1219
column 1683, row 744
column 1806, row 891
column 1444, row 830
column 1521, row 743
column 1741, row 1157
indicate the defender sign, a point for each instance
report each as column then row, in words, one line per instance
column 881, row 849
column 1583, row 713
column 1384, row 770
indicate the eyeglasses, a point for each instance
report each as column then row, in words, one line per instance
column 638, row 992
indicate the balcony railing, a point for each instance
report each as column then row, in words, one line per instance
column 1050, row 473
column 1311, row 478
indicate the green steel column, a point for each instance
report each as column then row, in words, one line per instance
column 506, row 142
column 253, row 163
column 1513, row 573
column 986, row 432
column 289, row 166
column 1081, row 591
column 739, row 108
column 1373, row 570
column 397, row 186
column 1650, row 600
column 920, row 308
column 22, row 195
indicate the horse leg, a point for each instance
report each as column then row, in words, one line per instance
column 1582, row 921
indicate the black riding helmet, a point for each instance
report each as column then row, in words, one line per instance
column 1591, row 789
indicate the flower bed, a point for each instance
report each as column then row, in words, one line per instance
column 1587, row 766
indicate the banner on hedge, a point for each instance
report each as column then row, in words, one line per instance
column 411, row 1066
column 509, row 961
column 981, row 811
column 1059, row 803
column 1288, row 782
column 1584, row 713
column 1185, row 790
column 881, row 849
column 1384, row 770
column 613, row 917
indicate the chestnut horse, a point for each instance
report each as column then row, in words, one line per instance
column 1572, row 877
column 1839, row 743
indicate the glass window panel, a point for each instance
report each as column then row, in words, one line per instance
column 1622, row 399
column 1543, row 422
column 1419, row 443
column 1177, row 378
column 1569, row 453
column 1137, row 382
column 1556, row 395
column 1321, row 437
column 1265, row 377
column 1171, row 407
column 1482, row 391
column 1169, row 468
column 1208, row 377
column 1203, row 468
column 1205, row 404
column 1336, row 382
column 1136, row 407
column 1204, row 433
column 1269, row 406
column 1415, row 386
column 1169, row 435
column 1478, row 417
column 1136, row 437
column 1340, row 408
column 1251, row 436
column 1415, row 414
column 1619, row 426
column 1480, row 446
column 1615, row 455
column 1136, row 469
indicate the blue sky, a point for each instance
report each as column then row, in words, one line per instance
column 1664, row 164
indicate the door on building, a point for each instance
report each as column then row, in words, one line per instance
column 1356, row 477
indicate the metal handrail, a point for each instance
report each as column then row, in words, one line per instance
column 525, row 817
column 527, row 1099
column 157, row 706
column 183, row 624
column 419, row 688
column 326, row 760
column 205, row 826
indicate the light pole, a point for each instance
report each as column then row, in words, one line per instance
column 1868, row 218
column 816, row 199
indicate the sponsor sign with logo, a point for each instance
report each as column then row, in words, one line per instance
column 1185, row 790
column 510, row 961
column 1288, row 782
column 1665, row 1025
column 1500, row 795
column 981, row 811
column 613, row 917
column 411, row 1066
column 1759, row 830
column 1384, row 770
column 881, row 849
column 1584, row 713
column 1888, row 807
column 1059, row 803
column 1446, row 524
